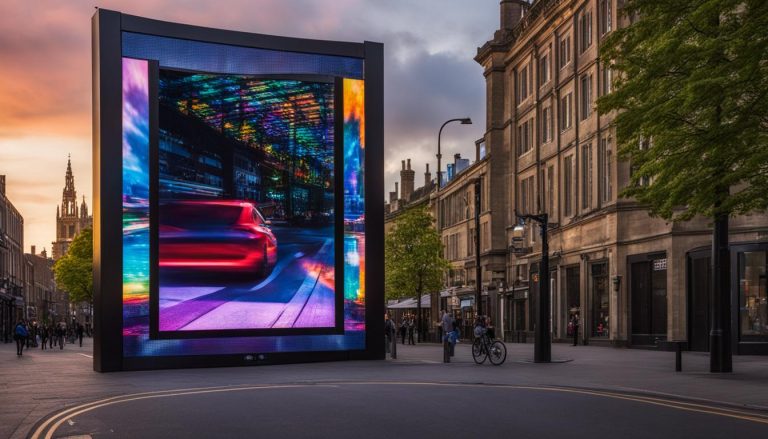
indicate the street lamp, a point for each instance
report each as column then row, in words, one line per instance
column 464, row 121
column 542, row 348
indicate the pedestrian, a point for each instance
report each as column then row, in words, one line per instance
column 389, row 331
column 51, row 336
column 43, row 336
column 80, row 333
column 20, row 334
column 61, row 334
column 575, row 323
column 411, row 328
column 448, row 340
column 490, row 330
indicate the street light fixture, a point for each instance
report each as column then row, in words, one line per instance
column 464, row 121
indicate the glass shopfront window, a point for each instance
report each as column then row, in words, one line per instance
column 600, row 300
column 753, row 297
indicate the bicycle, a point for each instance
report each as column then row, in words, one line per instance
column 483, row 347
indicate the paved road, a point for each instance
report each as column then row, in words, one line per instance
column 223, row 301
column 600, row 391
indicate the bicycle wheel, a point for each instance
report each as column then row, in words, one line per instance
column 498, row 353
column 478, row 353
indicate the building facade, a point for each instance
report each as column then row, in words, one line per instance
column 632, row 279
column 71, row 218
column 44, row 302
column 12, row 266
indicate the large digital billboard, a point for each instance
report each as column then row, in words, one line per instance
column 243, row 214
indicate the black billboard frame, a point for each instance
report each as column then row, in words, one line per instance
column 107, row 28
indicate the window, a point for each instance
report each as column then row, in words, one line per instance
column 586, row 96
column 524, row 189
column 606, row 80
column 753, row 295
column 585, row 30
column 525, row 137
column 546, row 125
column 524, row 83
column 645, row 144
column 605, row 157
column 566, row 112
column 586, row 176
column 565, row 51
column 568, row 185
column 605, row 16
column 544, row 68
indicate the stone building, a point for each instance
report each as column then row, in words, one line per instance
column 12, row 265
column 70, row 218
column 632, row 279
column 44, row 302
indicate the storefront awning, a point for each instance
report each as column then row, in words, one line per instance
column 411, row 303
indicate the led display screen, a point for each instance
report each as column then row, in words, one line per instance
column 245, row 211
column 246, row 205
column 239, row 163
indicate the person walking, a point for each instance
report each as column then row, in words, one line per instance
column 448, row 340
column 389, row 332
column 20, row 334
column 43, row 336
column 575, row 324
column 61, row 334
column 80, row 332
column 403, row 328
column 51, row 336
column 411, row 328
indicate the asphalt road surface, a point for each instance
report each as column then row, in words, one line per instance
column 398, row 410
column 297, row 292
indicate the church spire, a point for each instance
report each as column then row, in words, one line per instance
column 69, row 195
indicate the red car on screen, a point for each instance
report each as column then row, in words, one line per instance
column 216, row 235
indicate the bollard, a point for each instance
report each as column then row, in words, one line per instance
column 394, row 347
column 446, row 350
column 678, row 357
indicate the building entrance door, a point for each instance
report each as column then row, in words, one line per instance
column 648, row 291
column 699, row 290
column 572, row 297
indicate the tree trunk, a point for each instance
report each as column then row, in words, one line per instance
column 720, row 334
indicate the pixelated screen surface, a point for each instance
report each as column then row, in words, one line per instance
column 280, row 192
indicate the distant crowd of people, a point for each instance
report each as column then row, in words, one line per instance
column 33, row 334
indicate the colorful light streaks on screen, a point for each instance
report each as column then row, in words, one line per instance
column 135, row 191
column 136, row 261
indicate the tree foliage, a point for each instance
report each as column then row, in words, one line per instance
column 74, row 271
column 414, row 262
column 692, row 78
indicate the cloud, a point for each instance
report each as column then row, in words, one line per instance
column 45, row 78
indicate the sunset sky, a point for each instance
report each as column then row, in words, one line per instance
column 45, row 79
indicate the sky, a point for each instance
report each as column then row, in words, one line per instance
column 45, row 80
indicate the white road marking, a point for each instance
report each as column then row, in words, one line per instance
column 86, row 355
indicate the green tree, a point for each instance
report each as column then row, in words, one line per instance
column 74, row 271
column 691, row 95
column 413, row 262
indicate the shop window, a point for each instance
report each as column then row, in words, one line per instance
column 753, row 298
column 600, row 309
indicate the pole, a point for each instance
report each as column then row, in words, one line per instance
column 543, row 344
column 478, row 269
column 720, row 334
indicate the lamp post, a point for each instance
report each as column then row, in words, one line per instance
column 542, row 349
column 464, row 121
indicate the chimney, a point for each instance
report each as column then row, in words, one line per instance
column 511, row 12
column 456, row 158
column 396, row 189
column 33, row 250
column 403, row 162
column 2, row 184
column 407, row 177
column 427, row 177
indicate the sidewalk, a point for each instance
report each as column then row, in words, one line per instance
column 45, row 381
column 629, row 370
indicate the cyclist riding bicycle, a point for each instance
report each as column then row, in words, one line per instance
column 480, row 326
